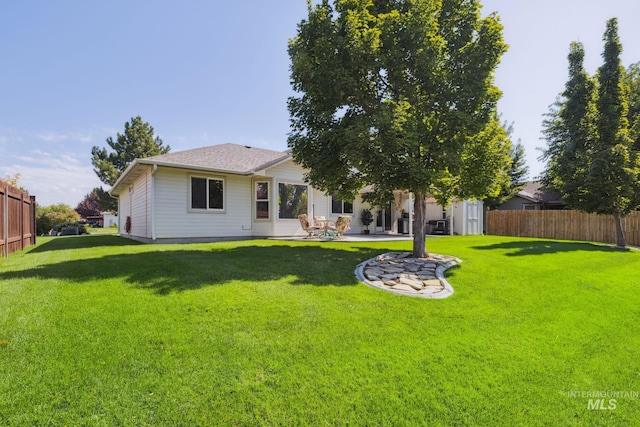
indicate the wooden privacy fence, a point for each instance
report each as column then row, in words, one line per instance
column 17, row 220
column 561, row 224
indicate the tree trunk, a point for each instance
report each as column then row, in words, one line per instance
column 419, row 211
column 621, row 239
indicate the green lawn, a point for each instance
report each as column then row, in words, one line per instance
column 99, row 330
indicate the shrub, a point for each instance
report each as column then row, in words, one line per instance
column 50, row 217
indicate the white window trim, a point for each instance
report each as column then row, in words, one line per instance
column 256, row 200
column 529, row 205
column 353, row 207
column 207, row 210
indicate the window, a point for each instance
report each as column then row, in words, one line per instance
column 529, row 207
column 340, row 206
column 207, row 193
column 262, row 200
column 292, row 200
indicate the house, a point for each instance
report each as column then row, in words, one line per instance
column 232, row 191
column 108, row 219
column 534, row 197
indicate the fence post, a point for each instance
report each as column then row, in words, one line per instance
column 32, row 215
column 5, row 216
column 22, row 224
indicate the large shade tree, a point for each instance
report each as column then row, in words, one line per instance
column 591, row 157
column 398, row 94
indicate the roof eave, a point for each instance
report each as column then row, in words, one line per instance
column 271, row 164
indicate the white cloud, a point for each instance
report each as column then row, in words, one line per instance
column 55, row 165
column 64, row 136
column 53, row 178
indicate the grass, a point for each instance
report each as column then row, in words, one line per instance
column 99, row 330
column 101, row 231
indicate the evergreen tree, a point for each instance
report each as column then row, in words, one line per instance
column 517, row 172
column 105, row 201
column 137, row 142
column 570, row 130
column 614, row 173
column 633, row 81
column 591, row 159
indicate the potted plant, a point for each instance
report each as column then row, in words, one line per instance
column 366, row 217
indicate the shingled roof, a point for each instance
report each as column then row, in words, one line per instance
column 231, row 158
column 535, row 192
column 223, row 158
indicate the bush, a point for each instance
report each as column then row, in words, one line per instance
column 82, row 228
column 51, row 217
column 366, row 217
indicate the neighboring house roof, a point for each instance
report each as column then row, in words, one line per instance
column 224, row 158
column 536, row 193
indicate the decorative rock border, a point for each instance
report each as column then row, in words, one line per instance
column 400, row 273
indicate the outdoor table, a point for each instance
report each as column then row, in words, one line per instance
column 324, row 226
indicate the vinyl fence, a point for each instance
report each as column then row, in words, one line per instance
column 561, row 224
column 17, row 220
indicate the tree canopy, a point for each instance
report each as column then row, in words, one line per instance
column 89, row 206
column 591, row 157
column 14, row 181
column 105, row 201
column 138, row 141
column 399, row 95
column 48, row 217
column 517, row 173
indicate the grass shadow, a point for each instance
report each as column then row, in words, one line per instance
column 81, row 242
column 166, row 271
column 542, row 247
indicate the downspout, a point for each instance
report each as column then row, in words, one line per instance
column 153, row 202
column 410, row 214
column 451, row 222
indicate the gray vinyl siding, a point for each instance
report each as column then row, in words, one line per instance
column 175, row 219
column 135, row 204
column 515, row 203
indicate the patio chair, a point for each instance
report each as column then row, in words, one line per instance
column 342, row 224
column 307, row 226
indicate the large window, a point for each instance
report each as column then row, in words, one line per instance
column 207, row 193
column 262, row 200
column 292, row 200
column 340, row 206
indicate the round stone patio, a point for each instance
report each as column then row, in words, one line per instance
column 400, row 273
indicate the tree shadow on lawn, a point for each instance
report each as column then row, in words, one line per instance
column 166, row 271
column 541, row 247
column 79, row 242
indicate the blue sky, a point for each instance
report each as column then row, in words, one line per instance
column 204, row 73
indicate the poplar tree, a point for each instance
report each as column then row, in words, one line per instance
column 399, row 95
column 591, row 158
column 570, row 130
column 615, row 170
